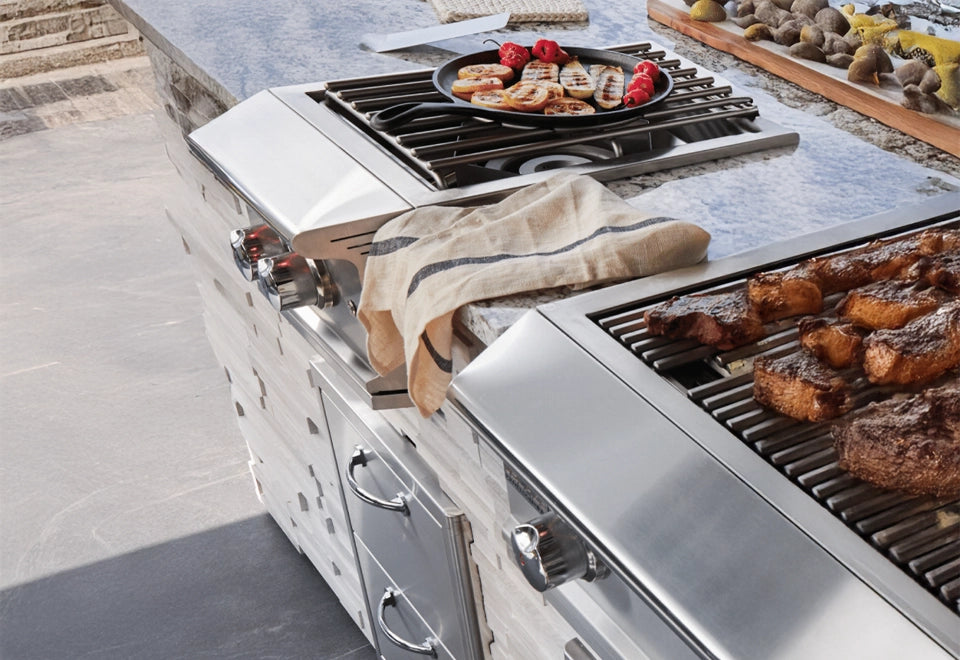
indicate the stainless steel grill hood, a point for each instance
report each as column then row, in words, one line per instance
column 695, row 525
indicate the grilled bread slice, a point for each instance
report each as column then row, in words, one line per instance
column 540, row 70
column 609, row 89
column 528, row 97
column 491, row 98
column 464, row 88
column 568, row 106
column 576, row 80
column 500, row 71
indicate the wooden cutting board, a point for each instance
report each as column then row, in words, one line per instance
column 940, row 130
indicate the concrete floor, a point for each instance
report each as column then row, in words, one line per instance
column 129, row 527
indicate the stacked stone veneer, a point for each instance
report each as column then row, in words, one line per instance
column 44, row 35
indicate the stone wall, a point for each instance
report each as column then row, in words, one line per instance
column 44, row 35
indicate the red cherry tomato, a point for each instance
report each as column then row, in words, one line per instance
column 648, row 67
column 641, row 81
column 635, row 97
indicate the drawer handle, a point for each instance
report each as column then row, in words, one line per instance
column 429, row 646
column 396, row 504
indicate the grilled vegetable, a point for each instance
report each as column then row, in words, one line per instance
column 540, row 70
column 491, row 98
column 527, row 97
column 568, row 106
column 500, row 71
column 465, row 87
column 576, row 80
column 609, row 91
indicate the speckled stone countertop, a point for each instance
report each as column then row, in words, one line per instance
column 846, row 165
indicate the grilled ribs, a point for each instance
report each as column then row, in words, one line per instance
column 890, row 304
column 919, row 352
column 910, row 445
column 800, row 386
column 781, row 294
column 722, row 320
column 837, row 344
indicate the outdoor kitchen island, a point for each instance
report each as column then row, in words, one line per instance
column 406, row 518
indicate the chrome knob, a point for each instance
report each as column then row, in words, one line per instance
column 549, row 553
column 289, row 280
column 252, row 244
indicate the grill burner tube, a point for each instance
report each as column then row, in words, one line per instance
column 573, row 155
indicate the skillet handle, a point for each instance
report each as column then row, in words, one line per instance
column 397, row 115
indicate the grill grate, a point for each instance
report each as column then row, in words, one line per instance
column 921, row 535
column 453, row 150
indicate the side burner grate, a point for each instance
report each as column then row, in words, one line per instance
column 698, row 117
column 921, row 535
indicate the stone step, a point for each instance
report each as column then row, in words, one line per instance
column 11, row 10
column 15, row 65
column 57, row 29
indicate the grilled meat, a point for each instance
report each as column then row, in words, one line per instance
column 908, row 444
column 919, row 352
column 877, row 261
column 781, row 294
column 940, row 270
column 837, row 344
column 890, row 304
column 723, row 320
column 800, row 386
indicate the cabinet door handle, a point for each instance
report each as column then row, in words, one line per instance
column 429, row 646
column 398, row 503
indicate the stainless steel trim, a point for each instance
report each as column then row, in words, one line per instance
column 398, row 503
column 716, row 561
column 389, row 598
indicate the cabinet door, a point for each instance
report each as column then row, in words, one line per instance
column 401, row 630
column 407, row 524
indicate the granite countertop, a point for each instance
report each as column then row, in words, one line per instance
column 846, row 166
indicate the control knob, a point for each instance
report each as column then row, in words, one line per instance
column 549, row 553
column 290, row 280
column 252, row 244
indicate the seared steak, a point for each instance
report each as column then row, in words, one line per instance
column 911, row 445
column 800, row 386
column 723, row 320
column 781, row 294
column 890, row 304
column 919, row 352
column 837, row 344
column 940, row 270
column 876, row 261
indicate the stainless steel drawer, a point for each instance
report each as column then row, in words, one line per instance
column 401, row 630
column 411, row 528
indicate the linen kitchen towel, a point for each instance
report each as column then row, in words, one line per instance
column 568, row 230
column 521, row 11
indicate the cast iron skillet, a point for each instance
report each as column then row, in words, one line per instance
column 445, row 75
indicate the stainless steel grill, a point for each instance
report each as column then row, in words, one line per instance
column 452, row 151
column 919, row 534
